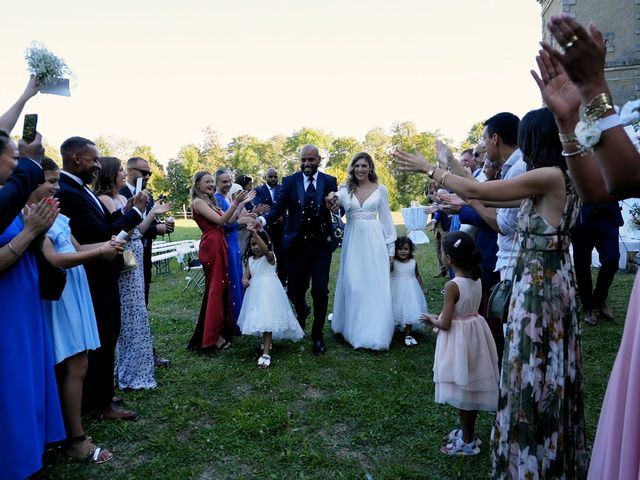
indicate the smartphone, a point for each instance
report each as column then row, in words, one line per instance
column 29, row 128
column 138, row 185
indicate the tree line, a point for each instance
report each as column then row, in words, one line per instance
column 251, row 156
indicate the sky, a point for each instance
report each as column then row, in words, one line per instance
column 159, row 72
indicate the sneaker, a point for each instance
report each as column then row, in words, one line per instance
column 460, row 448
column 590, row 318
column 457, row 433
column 409, row 341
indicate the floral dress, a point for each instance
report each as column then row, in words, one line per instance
column 539, row 430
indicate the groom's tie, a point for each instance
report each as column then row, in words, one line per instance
column 311, row 188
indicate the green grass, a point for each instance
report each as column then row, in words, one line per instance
column 342, row 415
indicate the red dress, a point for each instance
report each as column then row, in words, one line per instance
column 215, row 317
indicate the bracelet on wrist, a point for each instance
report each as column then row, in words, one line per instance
column 234, row 204
column 568, row 137
column 13, row 250
column 597, row 107
column 444, row 175
column 581, row 151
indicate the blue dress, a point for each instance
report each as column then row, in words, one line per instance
column 71, row 320
column 30, row 413
column 235, row 262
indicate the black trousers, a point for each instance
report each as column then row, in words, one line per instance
column 309, row 261
column 601, row 234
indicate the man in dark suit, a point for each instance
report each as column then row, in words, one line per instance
column 138, row 167
column 267, row 194
column 598, row 226
column 308, row 240
column 91, row 222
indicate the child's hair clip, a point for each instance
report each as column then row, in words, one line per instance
column 457, row 243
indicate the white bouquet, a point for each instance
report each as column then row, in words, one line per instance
column 51, row 71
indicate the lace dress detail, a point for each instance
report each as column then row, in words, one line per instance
column 135, row 367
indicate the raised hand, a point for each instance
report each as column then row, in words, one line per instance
column 255, row 225
column 451, row 199
column 140, row 200
column 445, row 157
column 33, row 150
column 160, row 208
column 584, row 51
column 411, row 163
column 559, row 93
column 247, row 218
column 32, row 88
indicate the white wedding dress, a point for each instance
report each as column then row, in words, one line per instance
column 362, row 310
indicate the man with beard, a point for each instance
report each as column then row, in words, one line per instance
column 91, row 222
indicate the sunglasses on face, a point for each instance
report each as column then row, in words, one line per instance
column 144, row 173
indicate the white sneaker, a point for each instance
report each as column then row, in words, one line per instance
column 409, row 341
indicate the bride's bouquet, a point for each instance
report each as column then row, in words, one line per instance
column 51, row 71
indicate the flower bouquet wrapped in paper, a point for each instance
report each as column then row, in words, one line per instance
column 51, row 71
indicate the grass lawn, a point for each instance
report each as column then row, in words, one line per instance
column 348, row 414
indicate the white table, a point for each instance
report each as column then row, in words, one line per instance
column 415, row 218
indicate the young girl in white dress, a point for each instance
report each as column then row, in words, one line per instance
column 265, row 309
column 407, row 290
column 465, row 368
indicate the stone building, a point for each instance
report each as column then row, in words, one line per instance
column 619, row 21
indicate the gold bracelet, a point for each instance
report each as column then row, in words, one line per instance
column 13, row 250
column 568, row 137
column 597, row 107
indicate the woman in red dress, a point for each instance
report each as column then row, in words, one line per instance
column 215, row 324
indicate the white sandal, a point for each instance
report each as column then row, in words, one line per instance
column 264, row 361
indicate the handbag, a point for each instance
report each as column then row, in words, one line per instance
column 498, row 305
column 499, row 300
column 52, row 279
column 129, row 261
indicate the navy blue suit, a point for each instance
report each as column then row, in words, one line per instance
column 275, row 229
column 91, row 222
column 597, row 226
column 13, row 195
column 308, row 242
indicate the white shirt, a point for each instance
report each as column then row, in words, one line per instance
column 507, row 218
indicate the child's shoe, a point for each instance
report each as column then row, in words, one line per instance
column 459, row 447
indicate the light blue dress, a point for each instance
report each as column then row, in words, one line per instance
column 71, row 320
column 30, row 413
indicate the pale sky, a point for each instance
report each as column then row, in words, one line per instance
column 159, row 72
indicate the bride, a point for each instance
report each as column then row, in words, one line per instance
column 362, row 303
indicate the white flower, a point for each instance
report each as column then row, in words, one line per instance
column 46, row 66
column 588, row 133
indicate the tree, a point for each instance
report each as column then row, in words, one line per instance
column 179, row 184
column 158, row 183
column 114, row 146
column 406, row 137
column 243, row 155
column 300, row 138
column 377, row 143
column 211, row 152
column 474, row 136
column 341, row 151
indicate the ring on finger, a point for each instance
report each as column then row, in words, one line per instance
column 571, row 42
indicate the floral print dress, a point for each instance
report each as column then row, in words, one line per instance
column 539, row 429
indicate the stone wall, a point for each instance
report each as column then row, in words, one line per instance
column 619, row 21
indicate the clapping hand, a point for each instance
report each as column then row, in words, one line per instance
column 260, row 209
column 140, row 200
column 39, row 218
column 558, row 92
column 445, row 157
column 243, row 197
column 113, row 247
column 160, row 208
column 411, row 163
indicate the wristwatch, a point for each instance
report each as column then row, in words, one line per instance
column 431, row 172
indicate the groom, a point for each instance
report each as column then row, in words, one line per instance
column 308, row 240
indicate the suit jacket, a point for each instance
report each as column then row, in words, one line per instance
column 152, row 231
column 290, row 201
column 13, row 195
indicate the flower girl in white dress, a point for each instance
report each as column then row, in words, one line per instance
column 407, row 291
column 265, row 309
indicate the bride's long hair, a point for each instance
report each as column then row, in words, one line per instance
column 352, row 181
